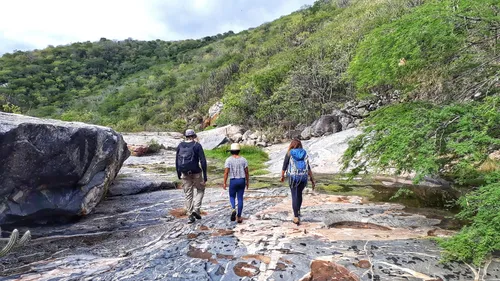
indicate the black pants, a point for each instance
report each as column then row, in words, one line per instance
column 297, row 188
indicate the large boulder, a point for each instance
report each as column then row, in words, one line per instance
column 326, row 124
column 52, row 170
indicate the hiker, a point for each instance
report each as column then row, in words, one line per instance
column 188, row 157
column 236, row 169
column 296, row 166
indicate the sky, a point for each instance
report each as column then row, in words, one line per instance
column 35, row 24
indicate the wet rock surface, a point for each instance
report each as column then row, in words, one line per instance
column 139, row 237
column 53, row 170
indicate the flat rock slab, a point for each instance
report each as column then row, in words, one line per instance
column 145, row 237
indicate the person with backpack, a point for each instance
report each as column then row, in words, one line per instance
column 296, row 166
column 236, row 169
column 189, row 156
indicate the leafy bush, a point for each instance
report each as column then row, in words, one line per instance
column 451, row 141
column 419, row 137
column 482, row 236
column 154, row 146
column 438, row 41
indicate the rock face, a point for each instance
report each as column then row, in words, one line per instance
column 53, row 170
column 324, row 152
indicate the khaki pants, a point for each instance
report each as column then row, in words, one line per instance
column 193, row 189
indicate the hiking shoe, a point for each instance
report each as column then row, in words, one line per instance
column 196, row 215
column 191, row 219
column 240, row 219
column 233, row 215
column 296, row 220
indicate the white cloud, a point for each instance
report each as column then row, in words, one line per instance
column 26, row 24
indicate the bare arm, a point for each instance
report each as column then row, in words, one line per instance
column 313, row 183
column 226, row 175
column 286, row 161
column 247, row 176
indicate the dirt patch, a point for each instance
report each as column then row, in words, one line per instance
column 179, row 213
column 199, row 253
column 204, row 228
column 261, row 258
column 243, row 269
column 193, row 235
column 363, row 264
column 358, row 225
column 225, row 257
column 222, row 232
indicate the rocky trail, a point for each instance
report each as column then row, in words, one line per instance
column 139, row 232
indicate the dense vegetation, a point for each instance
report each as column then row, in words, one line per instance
column 442, row 56
column 453, row 142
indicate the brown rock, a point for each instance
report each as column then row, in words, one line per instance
column 243, row 269
column 363, row 264
column 199, row 253
column 329, row 271
column 222, row 232
column 261, row 258
column 138, row 150
column 203, row 228
column 225, row 257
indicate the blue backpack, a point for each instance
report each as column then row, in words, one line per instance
column 298, row 169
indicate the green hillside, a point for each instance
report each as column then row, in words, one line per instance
column 292, row 69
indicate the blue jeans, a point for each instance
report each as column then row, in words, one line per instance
column 296, row 189
column 237, row 188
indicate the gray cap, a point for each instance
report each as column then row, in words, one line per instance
column 190, row 133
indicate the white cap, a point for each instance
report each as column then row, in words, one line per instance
column 235, row 146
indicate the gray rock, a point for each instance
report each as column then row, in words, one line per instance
column 326, row 124
column 138, row 184
column 324, row 153
column 210, row 142
column 53, row 170
column 215, row 109
column 261, row 144
column 236, row 137
column 306, row 133
column 346, row 121
column 255, row 136
column 292, row 134
column 246, row 135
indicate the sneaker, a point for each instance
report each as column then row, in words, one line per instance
column 191, row 219
column 296, row 220
column 240, row 219
column 196, row 215
column 233, row 215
